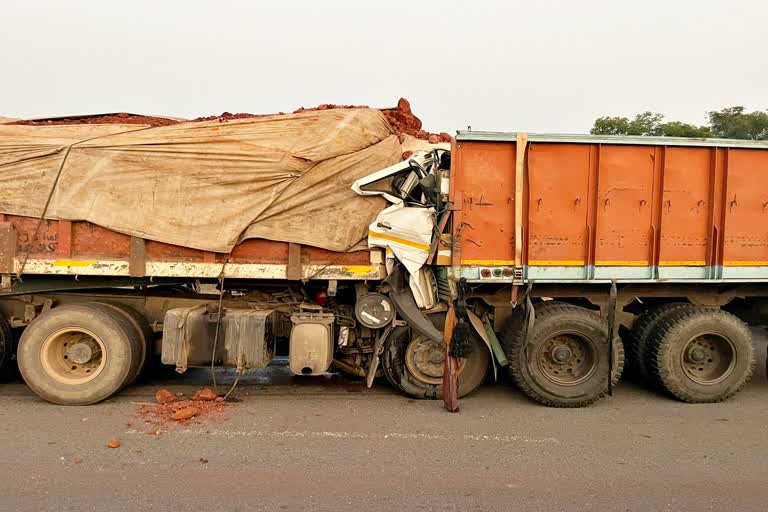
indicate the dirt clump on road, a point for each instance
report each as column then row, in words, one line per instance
column 168, row 411
column 164, row 397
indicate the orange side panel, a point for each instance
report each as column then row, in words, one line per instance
column 746, row 208
column 558, row 194
column 624, row 206
column 485, row 180
column 685, row 225
column 83, row 240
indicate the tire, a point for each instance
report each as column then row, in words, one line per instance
column 404, row 375
column 637, row 342
column 581, row 336
column 44, row 359
column 142, row 338
column 721, row 339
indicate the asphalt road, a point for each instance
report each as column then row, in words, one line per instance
column 329, row 444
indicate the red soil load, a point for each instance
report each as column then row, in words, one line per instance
column 402, row 119
column 226, row 116
column 327, row 106
column 121, row 118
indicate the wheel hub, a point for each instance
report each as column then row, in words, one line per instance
column 425, row 358
column 708, row 359
column 566, row 359
column 83, row 351
column 562, row 354
column 697, row 354
column 73, row 356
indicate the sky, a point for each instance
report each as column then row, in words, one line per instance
column 537, row 66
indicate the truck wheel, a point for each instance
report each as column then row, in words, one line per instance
column 637, row 342
column 413, row 364
column 701, row 355
column 142, row 338
column 564, row 360
column 76, row 354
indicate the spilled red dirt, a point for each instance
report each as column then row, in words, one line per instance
column 402, row 119
column 176, row 409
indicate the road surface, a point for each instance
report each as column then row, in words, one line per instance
column 306, row 444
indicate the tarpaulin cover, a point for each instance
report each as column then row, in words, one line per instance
column 205, row 185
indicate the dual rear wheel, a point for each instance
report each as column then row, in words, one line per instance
column 693, row 353
column 82, row 354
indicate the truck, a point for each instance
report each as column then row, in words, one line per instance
column 560, row 258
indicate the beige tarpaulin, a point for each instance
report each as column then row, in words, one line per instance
column 205, row 185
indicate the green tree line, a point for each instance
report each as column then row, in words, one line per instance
column 728, row 123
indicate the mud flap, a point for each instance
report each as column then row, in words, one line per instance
column 528, row 323
column 612, row 328
column 479, row 327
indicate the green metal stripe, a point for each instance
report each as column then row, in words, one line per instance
column 464, row 135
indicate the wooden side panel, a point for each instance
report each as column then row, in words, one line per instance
column 485, row 177
column 624, row 206
column 745, row 241
column 685, row 207
column 557, row 211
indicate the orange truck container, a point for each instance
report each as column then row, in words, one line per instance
column 629, row 209
column 565, row 258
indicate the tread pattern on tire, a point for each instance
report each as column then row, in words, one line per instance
column 664, row 334
column 513, row 346
column 637, row 342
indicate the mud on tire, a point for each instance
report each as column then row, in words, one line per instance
column 701, row 355
column 564, row 361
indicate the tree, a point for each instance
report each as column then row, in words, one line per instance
column 735, row 123
column 728, row 123
column 610, row 126
column 678, row 129
column 647, row 123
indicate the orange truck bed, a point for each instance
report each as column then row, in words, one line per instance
column 597, row 208
column 82, row 248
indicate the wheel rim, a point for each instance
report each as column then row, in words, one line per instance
column 73, row 356
column 567, row 359
column 424, row 360
column 708, row 359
